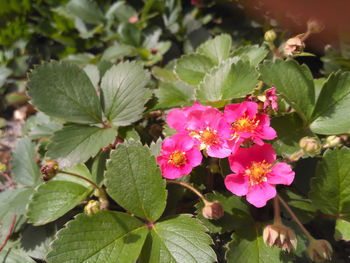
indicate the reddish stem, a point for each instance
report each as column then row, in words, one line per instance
column 9, row 234
column 8, row 178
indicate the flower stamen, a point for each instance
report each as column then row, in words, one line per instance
column 257, row 172
column 177, row 158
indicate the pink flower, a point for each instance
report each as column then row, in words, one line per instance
column 179, row 155
column 197, row 3
column 133, row 19
column 212, row 131
column 255, row 175
column 271, row 99
column 247, row 124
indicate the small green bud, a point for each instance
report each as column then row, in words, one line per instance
column 319, row 250
column 270, row 35
column 92, row 207
column 49, row 170
column 213, row 210
column 281, row 236
column 333, row 141
column 2, row 167
column 310, row 145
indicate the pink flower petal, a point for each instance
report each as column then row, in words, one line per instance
column 169, row 171
column 281, row 174
column 182, row 142
column 259, row 194
column 237, row 184
column 194, row 157
column 221, row 150
column 176, row 119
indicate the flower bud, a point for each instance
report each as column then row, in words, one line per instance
column 310, row 145
column 213, row 210
column 270, row 35
column 49, row 170
column 293, row 46
column 133, row 19
column 92, row 207
column 314, row 26
column 319, row 250
column 281, row 236
column 333, row 141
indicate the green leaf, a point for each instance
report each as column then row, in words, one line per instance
column 251, row 248
column 287, row 141
column 107, row 237
column 333, row 106
column 4, row 73
column 86, row 10
column 228, row 80
column 330, row 188
column 80, row 169
column 117, row 51
column 254, row 53
column 174, row 94
column 178, row 239
column 14, row 256
column 163, row 74
column 192, row 68
column 93, row 73
column 156, row 147
column 293, row 82
column 41, row 125
column 236, row 213
column 53, row 199
column 23, row 163
column 77, row 143
column 342, row 230
column 217, row 49
column 123, row 91
column 130, row 34
column 99, row 166
column 134, row 180
column 63, row 90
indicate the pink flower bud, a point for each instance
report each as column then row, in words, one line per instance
column 133, row 19
column 213, row 210
column 315, row 26
column 293, row 46
column 319, row 250
column 280, row 236
column 49, row 170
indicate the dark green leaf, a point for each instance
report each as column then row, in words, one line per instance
column 86, row 10
column 254, row 53
column 53, row 199
column 63, row 90
column 23, row 163
column 293, row 82
column 77, row 143
column 333, row 106
column 134, row 180
column 330, row 188
column 178, row 239
column 130, row 34
column 107, row 237
column 217, row 49
column 123, row 89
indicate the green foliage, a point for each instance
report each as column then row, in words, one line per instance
column 134, row 181
column 217, row 49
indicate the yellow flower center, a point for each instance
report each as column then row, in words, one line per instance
column 257, row 172
column 207, row 137
column 245, row 124
column 177, row 158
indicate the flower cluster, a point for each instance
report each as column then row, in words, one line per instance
column 227, row 134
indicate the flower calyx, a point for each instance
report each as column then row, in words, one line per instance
column 281, row 236
column 212, row 210
column 319, row 250
column 49, row 170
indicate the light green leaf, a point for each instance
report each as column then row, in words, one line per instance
column 192, row 68
column 4, row 73
column 23, row 163
column 330, row 188
column 86, row 10
column 130, row 34
column 318, row 86
column 174, row 94
column 41, row 125
column 178, row 239
column 342, row 230
column 117, row 51
column 156, row 147
column 163, row 74
column 77, row 143
column 254, row 53
column 293, row 82
column 63, row 90
column 93, row 73
column 123, row 91
column 251, row 248
column 236, row 213
column 217, row 49
column 134, row 180
column 331, row 114
column 228, row 80
column 287, row 141
column 14, row 256
column 107, row 237
column 80, row 169
column 53, row 199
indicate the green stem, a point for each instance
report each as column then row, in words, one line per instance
column 286, row 206
column 194, row 190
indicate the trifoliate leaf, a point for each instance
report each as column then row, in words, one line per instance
column 217, row 49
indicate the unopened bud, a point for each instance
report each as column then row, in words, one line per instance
column 310, row 145
column 333, row 141
column 49, row 170
column 319, row 250
column 213, row 210
column 270, row 35
column 293, row 46
column 92, row 207
column 281, row 236
column 133, row 19
column 314, row 26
